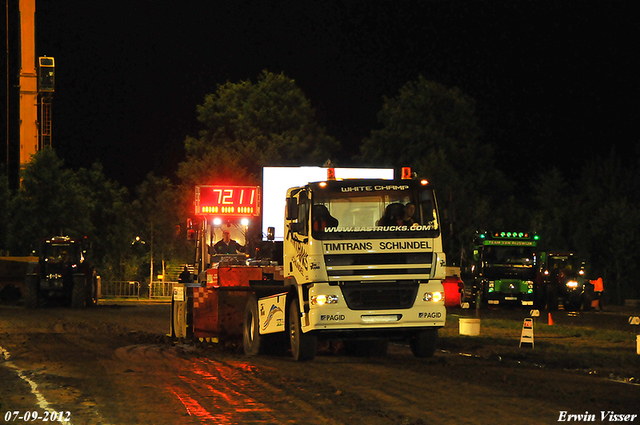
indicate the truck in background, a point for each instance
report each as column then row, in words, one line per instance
column 565, row 282
column 504, row 270
column 351, row 268
column 13, row 271
column 62, row 274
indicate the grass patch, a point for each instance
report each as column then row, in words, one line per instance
column 599, row 351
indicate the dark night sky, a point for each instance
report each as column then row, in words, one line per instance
column 554, row 81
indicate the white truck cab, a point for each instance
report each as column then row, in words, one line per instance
column 363, row 262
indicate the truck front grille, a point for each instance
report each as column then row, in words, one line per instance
column 377, row 266
column 379, row 296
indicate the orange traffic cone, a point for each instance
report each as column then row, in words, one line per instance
column 550, row 320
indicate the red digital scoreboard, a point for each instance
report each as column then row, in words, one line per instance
column 228, row 201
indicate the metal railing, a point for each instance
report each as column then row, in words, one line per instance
column 134, row 289
column 119, row 289
column 161, row 289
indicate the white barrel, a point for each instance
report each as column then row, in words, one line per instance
column 469, row 326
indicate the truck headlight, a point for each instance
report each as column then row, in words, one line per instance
column 324, row 299
column 433, row 296
column 572, row 284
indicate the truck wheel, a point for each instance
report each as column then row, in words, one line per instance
column 423, row 343
column 31, row 292
column 79, row 293
column 251, row 338
column 303, row 346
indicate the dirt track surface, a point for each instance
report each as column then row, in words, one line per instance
column 114, row 365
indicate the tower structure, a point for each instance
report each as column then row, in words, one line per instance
column 37, row 84
column 28, row 83
column 46, row 85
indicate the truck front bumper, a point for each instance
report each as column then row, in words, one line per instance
column 496, row 298
column 337, row 316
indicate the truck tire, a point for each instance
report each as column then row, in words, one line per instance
column 586, row 302
column 251, row 338
column 552, row 297
column 31, row 292
column 304, row 346
column 79, row 292
column 481, row 300
column 423, row 343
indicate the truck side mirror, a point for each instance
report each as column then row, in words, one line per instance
column 297, row 227
column 292, row 209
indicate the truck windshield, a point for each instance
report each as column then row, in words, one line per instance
column 374, row 214
column 62, row 253
column 501, row 262
column 518, row 257
column 564, row 263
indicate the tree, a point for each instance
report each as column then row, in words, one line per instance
column 424, row 118
column 606, row 224
column 51, row 201
column 159, row 212
column 54, row 200
column 112, row 219
column 554, row 210
column 434, row 129
column 248, row 126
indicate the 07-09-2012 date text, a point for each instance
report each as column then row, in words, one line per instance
column 34, row 415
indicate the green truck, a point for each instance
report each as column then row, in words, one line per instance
column 504, row 270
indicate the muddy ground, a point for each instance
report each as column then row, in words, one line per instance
column 114, row 365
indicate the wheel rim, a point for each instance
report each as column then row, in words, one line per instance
column 251, row 327
column 292, row 329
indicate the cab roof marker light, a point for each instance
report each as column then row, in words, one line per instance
column 331, row 173
column 513, row 235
